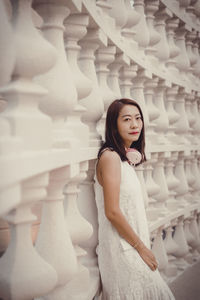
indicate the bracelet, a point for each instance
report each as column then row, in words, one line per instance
column 136, row 244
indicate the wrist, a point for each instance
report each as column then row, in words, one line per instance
column 139, row 246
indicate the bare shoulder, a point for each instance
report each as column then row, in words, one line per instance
column 109, row 157
column 108, row 167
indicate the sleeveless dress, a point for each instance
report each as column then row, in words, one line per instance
column 124, row 274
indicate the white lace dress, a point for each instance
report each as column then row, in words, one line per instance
column 124, row 274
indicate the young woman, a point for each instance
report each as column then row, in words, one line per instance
column 127, row 266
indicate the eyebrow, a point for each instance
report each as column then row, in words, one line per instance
column 130, row 115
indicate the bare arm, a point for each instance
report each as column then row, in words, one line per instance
column 109, row 176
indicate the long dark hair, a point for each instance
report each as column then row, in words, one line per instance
column 112, row 138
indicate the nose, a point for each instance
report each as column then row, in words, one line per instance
column 134, row 123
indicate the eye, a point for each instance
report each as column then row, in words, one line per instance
column 139, row 118
column 127, row 119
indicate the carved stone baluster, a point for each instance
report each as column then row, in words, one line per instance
column 182, row 60
column 113, row 80
column 104, row 56
column 162, row 122
column 154, row 37
column 190, row 240
column 190, row 178
column 42, row 276
column 159, row 251
column 196, row 66
column 190, row 36
column 171, row 247
column 126, row 75
column 182, row 188
column 94, row 109
column 151, row 187
column 195, row 109
column 9, row 197
column 173, row 116
column 162, row 47
column 172, row 181
column 128, row 30
column 180, row 239
column 174, row 51
column 160, row 179
column 62, row 97
column 119, row 13
column 196, row 184
column 88, row 209
column 189, row 102
column 182, row 125
column 193, row 227
column 153, row 111
column 137, row 93
column 80, row 231
column 23, row 96
column 75, row 29
column 140, row 174
column 54, row 242
column 142, row 39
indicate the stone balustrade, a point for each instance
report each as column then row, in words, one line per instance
column 62, row 62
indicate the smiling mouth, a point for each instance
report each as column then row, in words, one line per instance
column 134, row 132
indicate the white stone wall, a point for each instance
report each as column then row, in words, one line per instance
column 62, row 62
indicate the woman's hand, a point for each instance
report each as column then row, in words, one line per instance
column 147, row 256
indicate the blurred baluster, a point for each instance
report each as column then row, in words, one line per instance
column 94, row 109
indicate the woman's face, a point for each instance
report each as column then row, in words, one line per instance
column 129, row 124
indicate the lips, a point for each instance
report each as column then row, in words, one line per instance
column 134, row 132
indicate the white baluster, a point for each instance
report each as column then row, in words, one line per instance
column 182, row 125
column 190, row 177
column 159, row 251
column 182, row 60
column 80, row 231
column 173, row 116
column 128, row 31
column 196, row 113
column 75, row 29
column 94, row 109
column 62, row 97
column 162, row 122
column 137, row 93
column 153, row 111
column 140, row 174
column 197, row 54
column 54, row 242
column 171, row 247
column 172, row 181
column 189, row 102
column 88, row 209
column 27, row 262
column 104, row 56
column 119, row 14
column 196, row 184
column 127, row 73
column 154, row 37
column 172, row 24
column 141, row 26
column 190, row 36
column 180, row 239
column 114, row 67
column 152, row 189
column 160, row 179
column 190, row 240
column 162, row 46
column 193, row 227
column 182, row 188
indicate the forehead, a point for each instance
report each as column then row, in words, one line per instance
column 129, row 109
